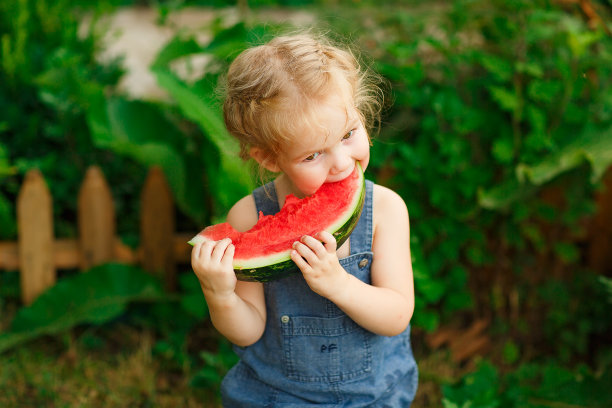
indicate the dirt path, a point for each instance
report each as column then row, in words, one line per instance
column 136, row 35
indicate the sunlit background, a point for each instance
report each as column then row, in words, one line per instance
column 497, row 132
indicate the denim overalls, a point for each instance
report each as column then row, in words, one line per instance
column 311, row 353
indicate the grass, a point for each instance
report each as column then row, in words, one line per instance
column 117, row 366
column 114, row 366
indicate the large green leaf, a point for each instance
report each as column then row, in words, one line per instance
column 94, row 297
column 140, row 131
column 178, row 47
column 593, row 146
column 117, row 119
column 200, row 108
column 204, row 110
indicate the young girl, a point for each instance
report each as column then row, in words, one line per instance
column 338, row 333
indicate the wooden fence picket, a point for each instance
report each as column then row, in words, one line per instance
column 38, row 254
column 35, row 240
column 157, row 222
column 96, row 219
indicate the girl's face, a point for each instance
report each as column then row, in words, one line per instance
column 327, row 153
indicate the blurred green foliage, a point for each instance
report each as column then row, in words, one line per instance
column 95, row 297
column 496, row 107
column 48, row 77
column 531, row 386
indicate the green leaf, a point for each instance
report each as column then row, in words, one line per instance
column 504, row 195
column 177, row 47
column 544, row 90
column 203, row 110
column 503, row 150
column 593, row 146
column 8, row 226
column 139, row 130
column 607, row 284
column 567, row 252
column 117, row 119
column 511, row 352
column 506, row 99
column 448, row 404
column 426, row 319
column 94, row 297
column 229, row 42
column 531, row 68
column 500, row 68
column 192, row 301
column 477, row 389
column 579, row 42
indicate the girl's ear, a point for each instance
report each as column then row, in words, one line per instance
column 264, row 158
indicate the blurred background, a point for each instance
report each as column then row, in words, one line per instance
column 497, row 132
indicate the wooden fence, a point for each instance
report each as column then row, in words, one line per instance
column 37, row 254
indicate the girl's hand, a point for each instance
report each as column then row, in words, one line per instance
column 317, row 259
column 212, row 264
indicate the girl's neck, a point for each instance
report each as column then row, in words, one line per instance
column 284, row 187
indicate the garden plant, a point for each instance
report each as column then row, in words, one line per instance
column 497, row 133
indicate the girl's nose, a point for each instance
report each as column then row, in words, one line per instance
column 341, row 160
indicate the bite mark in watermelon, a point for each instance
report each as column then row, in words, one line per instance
column 263, row 252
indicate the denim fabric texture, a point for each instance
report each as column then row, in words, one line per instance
column 311, row 353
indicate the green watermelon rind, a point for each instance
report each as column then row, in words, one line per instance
column 279, row 265
column 285, row 266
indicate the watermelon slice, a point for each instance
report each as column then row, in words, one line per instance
column 263, row 252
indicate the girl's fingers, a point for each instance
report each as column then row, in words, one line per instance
column 305, row 251
column 195, row 252
column 313, row 244
column 219, row 250
column 328, row 241
column 299, row 260
column 228, row 257
column 199, row 250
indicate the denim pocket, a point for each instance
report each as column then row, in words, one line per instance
column 325, row 349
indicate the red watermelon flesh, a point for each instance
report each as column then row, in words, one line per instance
column 270, row 240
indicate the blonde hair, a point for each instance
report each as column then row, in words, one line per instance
column 272, row 89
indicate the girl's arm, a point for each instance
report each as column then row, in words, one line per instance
column 237, row 309
column 385, row 307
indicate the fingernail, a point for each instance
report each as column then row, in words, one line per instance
column 295, row 244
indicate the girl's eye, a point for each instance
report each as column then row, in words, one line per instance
column 348, row 135
column 312, row 156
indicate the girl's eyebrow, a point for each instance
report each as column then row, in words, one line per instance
column 351, row 123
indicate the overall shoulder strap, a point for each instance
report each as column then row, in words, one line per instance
column 361, row 237
column 265, row 199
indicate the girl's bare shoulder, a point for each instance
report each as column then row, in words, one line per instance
column 388, row 202
column 243, row 215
